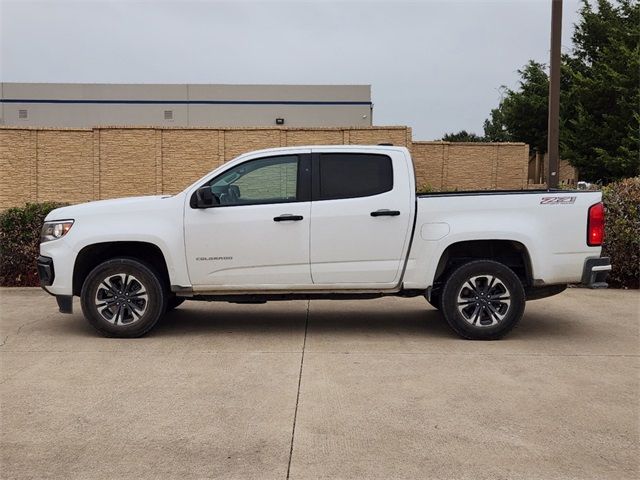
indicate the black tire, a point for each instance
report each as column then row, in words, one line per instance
column 174, row 302
column 135, row 288
column 490, row 309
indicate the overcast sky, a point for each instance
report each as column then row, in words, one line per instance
column 435, row 66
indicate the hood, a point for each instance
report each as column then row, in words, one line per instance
column 129, row 205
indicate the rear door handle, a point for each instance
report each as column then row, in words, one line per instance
column 385, row 213
column 288, row 218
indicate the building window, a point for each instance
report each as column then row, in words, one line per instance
column 168, row 114
column 22, row 114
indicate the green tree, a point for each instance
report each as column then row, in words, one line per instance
column 601, row 124
column 599, row 96
column 463, row 136
column 522, row 114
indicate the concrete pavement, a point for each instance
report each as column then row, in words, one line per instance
column 322, row 389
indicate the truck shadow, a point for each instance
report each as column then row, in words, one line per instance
column 189, row 320
column 427, row 322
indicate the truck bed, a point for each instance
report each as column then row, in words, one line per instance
column 550, row 225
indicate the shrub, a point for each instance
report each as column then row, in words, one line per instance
column 622, row 234
column 20, row 243
column 425, row 189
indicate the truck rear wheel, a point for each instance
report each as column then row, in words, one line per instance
column 123, row 297
column 483, row 300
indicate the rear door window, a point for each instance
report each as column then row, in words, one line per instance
column 352, row 175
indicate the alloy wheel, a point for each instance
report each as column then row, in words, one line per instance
column 121, row 299
column 484, row 300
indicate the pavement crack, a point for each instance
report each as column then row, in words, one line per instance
column 6, row 338
column 295, row 413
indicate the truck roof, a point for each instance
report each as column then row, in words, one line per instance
column 332, row 147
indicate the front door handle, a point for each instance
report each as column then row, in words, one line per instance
column 288, row 218
column 385, row 213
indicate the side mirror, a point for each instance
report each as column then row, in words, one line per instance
column 205, row 198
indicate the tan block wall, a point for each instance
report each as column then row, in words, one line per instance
column 512, row 165
column 470, row 166
column 65, row 166
column 428, row 163
column 568, row 175
column 237, row 142
column 376, row 136
column 314, row 137
column 127, row 162
column 17, row 167
column 188, row 155
column 77, row 165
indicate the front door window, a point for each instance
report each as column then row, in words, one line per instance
column 262, row 181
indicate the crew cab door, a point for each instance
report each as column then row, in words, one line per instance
column 258, row 236
column 362, row 212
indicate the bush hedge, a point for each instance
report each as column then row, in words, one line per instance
column 622, row 231
column 20, row 237
column 20, row 243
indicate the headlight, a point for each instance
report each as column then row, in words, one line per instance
column 55, row 230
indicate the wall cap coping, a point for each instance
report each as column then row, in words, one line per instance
column 479, row 144
column 164, row 127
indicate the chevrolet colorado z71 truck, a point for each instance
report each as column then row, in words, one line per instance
column 321, row 222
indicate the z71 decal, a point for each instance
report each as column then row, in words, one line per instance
column 557, row 200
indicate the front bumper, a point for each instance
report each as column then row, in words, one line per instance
column 62, row 258
column 595, row 272
column 46, row 273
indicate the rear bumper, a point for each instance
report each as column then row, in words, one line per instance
column 595, row 272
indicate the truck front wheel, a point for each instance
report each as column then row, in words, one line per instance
column 483, row 300
column 123, row 297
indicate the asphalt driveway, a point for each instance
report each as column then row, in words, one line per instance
column 323, row 389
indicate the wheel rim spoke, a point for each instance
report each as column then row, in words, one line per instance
column 466, row 302
column 121, row 299
column 118, row 312
column 108, row 287
column 494, row 315
column 484, row 300
column 490, row 284
column 476, row 314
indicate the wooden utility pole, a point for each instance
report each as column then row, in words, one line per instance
column 553, row 131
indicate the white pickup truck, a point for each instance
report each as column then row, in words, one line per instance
column 321, row 222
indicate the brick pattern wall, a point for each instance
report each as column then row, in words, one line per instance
column 78, row 165
column 64, row 166
column 127, row 163
column 17, row 167
column 188, row 155
column 568, row 175
column 470, row 166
